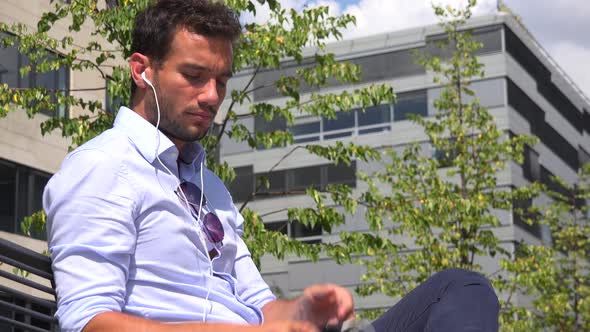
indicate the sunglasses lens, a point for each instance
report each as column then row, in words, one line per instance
column 213, row 228
column 192, row 193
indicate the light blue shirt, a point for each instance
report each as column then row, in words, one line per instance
column 121, row 240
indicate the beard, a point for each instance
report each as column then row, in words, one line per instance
column 171, row 123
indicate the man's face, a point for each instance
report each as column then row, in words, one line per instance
column 191, row 84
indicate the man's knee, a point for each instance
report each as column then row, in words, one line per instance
column 461, row 278
column 467, row 302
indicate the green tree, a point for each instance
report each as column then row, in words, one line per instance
column 556, row 277
column 262, row 47
column 445, row 205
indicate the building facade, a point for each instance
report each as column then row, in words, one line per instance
column 28, row 158
column 523, row 88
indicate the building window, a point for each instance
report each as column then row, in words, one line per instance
column 531, row 168
column 305, row 177
column 305, row 233
column 341, row 126
column 278, row 226
column 525, row 57
column 293, row 180
column 7, row 197
column 243, row 185
column 9, row 65
column 275, row 124
column 11, row 61
column 583, row 156
column 546, row 178
column 52, row 80
column 296, row 230
column 521, row 212
column 21, row 194
column 490, row 37
column 399, row 63
column 414, row 102
column 341, row 174
column 543, row 77
column 306, row 130
column 277, row 181
column 374, row 67
column 265, row 81
column 586, row 120
column 562, row 104
column 374, row 119
column 550, row 137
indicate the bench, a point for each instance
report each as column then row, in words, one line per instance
column 26, row 304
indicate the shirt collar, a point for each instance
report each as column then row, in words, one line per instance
column 142, row 134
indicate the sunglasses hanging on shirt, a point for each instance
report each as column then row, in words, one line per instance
column 212, row 226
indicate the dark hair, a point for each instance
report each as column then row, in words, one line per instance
column 156, row 25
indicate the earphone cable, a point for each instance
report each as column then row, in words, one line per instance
column 203, row 242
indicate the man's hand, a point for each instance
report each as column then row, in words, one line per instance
column 326, row 305
column 319, row 304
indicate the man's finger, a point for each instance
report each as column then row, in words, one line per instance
column 321, row 291
column 345, row 305
column 334, row 322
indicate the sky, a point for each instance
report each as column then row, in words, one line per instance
column 561, row 27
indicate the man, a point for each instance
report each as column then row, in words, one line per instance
column 142, row 235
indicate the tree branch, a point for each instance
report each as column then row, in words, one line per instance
column 232, row 105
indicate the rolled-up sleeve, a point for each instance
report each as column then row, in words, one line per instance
column 251, row 287
column 90, row 206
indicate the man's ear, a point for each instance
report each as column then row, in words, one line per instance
column 139, row 63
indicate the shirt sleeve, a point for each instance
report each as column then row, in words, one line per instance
column 91, row 235
column 250, row 286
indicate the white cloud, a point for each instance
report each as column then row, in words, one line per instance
column 376, row 16
column 263, row 12
column 334, row 6
column 573, row 59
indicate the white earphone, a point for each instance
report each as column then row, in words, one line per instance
column 146, row 80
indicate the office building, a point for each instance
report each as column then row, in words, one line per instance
column 523, row 88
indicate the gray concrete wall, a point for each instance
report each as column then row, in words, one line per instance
column 20, row 137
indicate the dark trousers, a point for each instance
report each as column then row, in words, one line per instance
column 451, row 300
